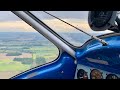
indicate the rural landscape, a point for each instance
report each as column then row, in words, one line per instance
column 21, row 51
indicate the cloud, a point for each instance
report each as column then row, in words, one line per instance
column 8, row 16
column 62, row 14
column 10, row 22
column 80, row 23
column 53, row 23
column 60, row 26
column 15, row 26
column 56, row 25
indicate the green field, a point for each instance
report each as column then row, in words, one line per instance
column 23, row 54
column 42, row 54
column 10, row 65
column 37, row 52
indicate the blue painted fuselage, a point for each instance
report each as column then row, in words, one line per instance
column 64, row 67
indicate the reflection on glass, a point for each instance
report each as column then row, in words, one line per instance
column 76, row 18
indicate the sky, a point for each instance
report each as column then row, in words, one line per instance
column 9, row 16
column 11, row 23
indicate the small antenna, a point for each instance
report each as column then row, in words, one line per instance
column 96, row 38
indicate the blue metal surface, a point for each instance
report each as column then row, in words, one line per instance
column 62, row 68
column 95, row 50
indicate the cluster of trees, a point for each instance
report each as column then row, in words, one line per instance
column 40, row 61
column 28, row 61
column 24, row 60
column 14, row 54
column 25, row 48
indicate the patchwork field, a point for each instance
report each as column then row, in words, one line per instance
column 18, row 54
column 8, row 74
column 3, row 56
column 21, row 51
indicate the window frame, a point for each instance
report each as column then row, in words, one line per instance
column 65, row 41
column 58, row 50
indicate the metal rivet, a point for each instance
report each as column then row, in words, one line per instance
column 75, row 61
column 62, row 72
column 119, row 55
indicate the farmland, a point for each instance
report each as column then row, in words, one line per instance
column 22, row 51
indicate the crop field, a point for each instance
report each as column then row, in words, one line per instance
column 21, row 51
column 19, row 54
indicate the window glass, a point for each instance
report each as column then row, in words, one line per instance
column 76, row 18
column 21, row 46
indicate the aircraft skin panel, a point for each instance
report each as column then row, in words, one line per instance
column 105, row 58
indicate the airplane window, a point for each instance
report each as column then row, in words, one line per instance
column 76, row 18
column 21, row 47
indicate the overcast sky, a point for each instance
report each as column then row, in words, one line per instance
column 63, row 14
column 8, row 16
column 10, row 22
